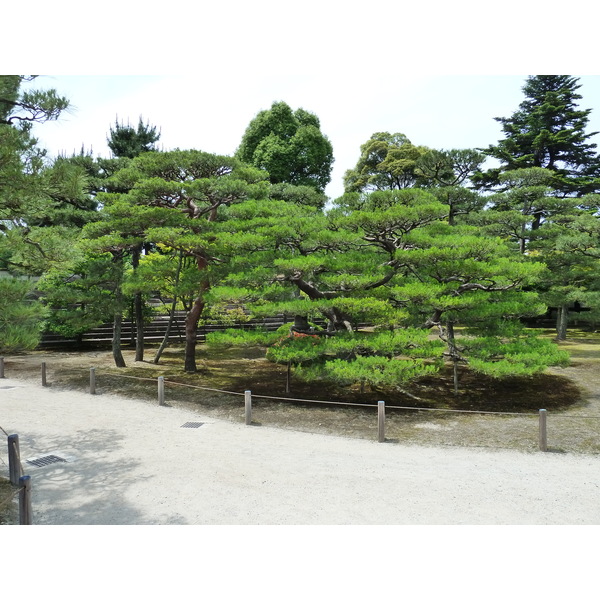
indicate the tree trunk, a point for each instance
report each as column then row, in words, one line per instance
column 116, row 340
column 338, row 321
column 138, row 310
column 118, row 315
column 139, row 327
column 165, row 340
column 451, row 218
column 301, row 324
column 191, row 321
column 562, row 322
column 191, row 332
column 453, row 355
column 192, row 318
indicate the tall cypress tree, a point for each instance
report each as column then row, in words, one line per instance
column 548, row 131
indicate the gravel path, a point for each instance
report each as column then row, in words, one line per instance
column 132, row 462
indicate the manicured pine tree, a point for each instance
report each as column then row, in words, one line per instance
column 388, row 259
column 197, row 186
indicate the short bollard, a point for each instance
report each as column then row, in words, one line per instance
column 161, row 391
column 381, row 421
column 14, row 461
column 44, row 374
column 1, row 367
column 248, row 406
column 92, row 380
column 543, row 432
column 25, row 516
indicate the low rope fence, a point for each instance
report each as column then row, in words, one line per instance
column 381, row 407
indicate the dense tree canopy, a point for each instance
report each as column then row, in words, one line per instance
column 426, row 260
column 388, row 161
column 395, row 263
column 289, row 145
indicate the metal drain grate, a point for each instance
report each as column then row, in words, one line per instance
column 192, row 424
column 43, row 461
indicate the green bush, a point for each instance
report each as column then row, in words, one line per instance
column 21, row 316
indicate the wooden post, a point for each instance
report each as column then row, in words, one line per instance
column 543, row 433
column 381, row 420
column 25, row 516
column 1, row 367
column 161, row 391
column 248, row 406
column 92, row 380
column 14, row 460
column 44, row 374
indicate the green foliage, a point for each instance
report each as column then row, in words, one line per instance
column 548, row 131
column 80, row 294
column 525, row 354
column 242, row 338
column 21, row 316
column 125, row 141
column 376, row 371
column 386, row 358
column 289, row 146
column 299, row 194
column 447, row 173
column 387, row 162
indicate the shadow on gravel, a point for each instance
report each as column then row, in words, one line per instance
column 88, row 489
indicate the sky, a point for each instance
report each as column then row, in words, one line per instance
column 439, row 111
column 438, row 72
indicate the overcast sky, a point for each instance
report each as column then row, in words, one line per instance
column 439, row 111
column 437, row 72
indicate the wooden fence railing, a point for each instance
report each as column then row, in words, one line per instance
column 154, row 331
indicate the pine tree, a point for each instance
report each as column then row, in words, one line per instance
column 391, row 260
column 548, row 131
column 127, row 142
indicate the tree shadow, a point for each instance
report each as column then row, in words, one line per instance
column 90, row 487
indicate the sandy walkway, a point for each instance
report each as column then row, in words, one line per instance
column 132, row 462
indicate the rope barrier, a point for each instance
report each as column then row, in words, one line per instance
column 316, row 401
column 327, row 402
column 131, row 377
column 477, row 412
column 572, row 417
column 355, row 404
column 352, row 404
column 175, row 383
column 4, row 431
column 197, row 387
